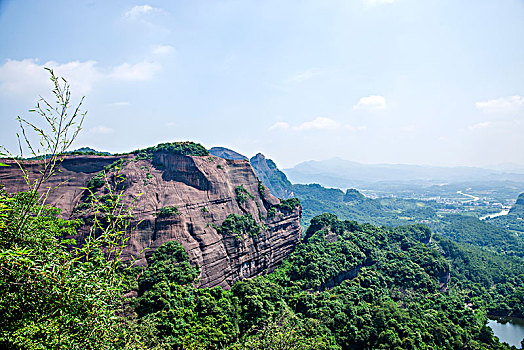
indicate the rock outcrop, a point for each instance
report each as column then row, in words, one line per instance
column 201, row 191
column 271, row 176
column 264, row 168
column 226, row 153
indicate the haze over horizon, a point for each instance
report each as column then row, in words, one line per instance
column 372, row 81
column 497, row 166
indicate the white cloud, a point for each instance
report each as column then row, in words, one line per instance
column 482, row 125
column 148, row 18
column 163, row 50
column 319, row 123
column 28, row 78
column 373, row 102
column 139, row 10
column 170, row 124
column 14, row 77
column 279, row 126
column 136, row 72
column 378, row 2
column 81, row 75
column 100, row 129
column 501, row 105
column 305, row 75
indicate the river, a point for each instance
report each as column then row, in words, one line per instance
column 489, row 216
column 473, row 198
column 508, row 329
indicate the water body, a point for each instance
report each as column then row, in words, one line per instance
column 489, row 216
column 473, row 198
column 508, row 329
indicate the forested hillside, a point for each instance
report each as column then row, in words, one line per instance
column 342, row 285
column 346, row 286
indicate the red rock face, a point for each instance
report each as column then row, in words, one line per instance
column 203, row 190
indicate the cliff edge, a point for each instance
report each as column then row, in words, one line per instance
column 230, row 224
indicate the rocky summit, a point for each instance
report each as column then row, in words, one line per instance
column 229, row 223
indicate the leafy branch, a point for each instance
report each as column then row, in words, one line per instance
column 59, row 130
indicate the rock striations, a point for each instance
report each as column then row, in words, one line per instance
column 201, row 192
column 264, row 168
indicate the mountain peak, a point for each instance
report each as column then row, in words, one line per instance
column 226, row 153
column 271, row 176
column 259, row 156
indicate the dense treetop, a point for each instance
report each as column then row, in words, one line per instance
column 187, row 148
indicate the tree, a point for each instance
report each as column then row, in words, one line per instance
column 53, row 293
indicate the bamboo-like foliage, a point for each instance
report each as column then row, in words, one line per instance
column 55, row 292
column 56, row 130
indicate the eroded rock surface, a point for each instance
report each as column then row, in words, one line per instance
column 271, row 176
column 203, row 189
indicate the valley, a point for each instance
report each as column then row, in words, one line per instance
column 217, row 259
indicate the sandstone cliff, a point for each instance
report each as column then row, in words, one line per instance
column 264, row 168
column 226, row 153
column 205, row 190
column 271, row 176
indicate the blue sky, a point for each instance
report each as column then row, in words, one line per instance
column 376, row 81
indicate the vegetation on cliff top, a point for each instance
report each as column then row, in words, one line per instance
column 187, row 148
column 181, row 148
column 88, row 151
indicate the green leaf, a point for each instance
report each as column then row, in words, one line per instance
column 2, row 164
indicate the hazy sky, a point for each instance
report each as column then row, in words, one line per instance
column 397, row 81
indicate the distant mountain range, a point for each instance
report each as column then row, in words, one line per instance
column 507, row 167
column 341, row 173
column 337, row 172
